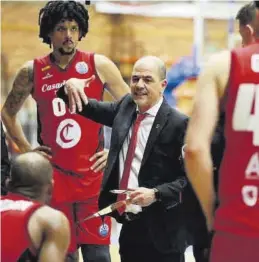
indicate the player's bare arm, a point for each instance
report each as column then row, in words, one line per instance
column 211, row 87
column 55, row 235
column 21, row 90
column 111, row 76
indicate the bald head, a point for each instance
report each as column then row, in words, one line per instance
column 148, row 82
column 156, row 62
column 30, row 172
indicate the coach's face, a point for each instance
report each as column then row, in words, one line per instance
column 146, row 84
column 65, row 36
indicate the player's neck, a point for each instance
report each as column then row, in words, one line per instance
column 61, row 60
column 27, row 193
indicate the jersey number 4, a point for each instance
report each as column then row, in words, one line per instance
column 243, row 118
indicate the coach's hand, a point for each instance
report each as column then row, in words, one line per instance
column 142, row 196
column 74, row 88
column 101, row 160
column 43, row 150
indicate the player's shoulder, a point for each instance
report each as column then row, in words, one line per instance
column 219, row 57
column 101, row 60
column 42, row 61
column 27, row 66
column 50, row 217
column 25, row 71
column 218, row 66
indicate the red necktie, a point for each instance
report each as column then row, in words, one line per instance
column 129, row 158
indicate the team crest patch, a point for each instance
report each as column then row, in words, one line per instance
column 104, row 230
column 81, row 68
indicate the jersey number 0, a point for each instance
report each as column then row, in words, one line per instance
column 59, row 107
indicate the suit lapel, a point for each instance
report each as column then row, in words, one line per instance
column 126, row 123
column 159, row 122
column 120, row 131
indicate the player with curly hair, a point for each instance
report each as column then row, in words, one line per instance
column 76, row 144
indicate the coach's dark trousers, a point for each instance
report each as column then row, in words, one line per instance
column 136, row 245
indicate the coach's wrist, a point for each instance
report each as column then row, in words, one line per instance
column 61, row 94
column 157, row 194
column 61, row 91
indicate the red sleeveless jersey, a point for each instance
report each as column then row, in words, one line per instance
column 238, row 212
column 72, row 138
column 16, row 211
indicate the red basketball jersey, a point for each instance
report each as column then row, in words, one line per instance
column 72, row 138
column 16, row 211
column 238, row 212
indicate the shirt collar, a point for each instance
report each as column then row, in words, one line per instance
column 154, row 109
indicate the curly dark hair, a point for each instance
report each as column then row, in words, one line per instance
column 55, row 11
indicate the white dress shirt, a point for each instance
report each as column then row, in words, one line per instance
column 142, row 138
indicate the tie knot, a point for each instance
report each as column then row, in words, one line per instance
column 141, row 117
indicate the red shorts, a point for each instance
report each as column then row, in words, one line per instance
column 92, row 231
column 78, row 201
column 233, row 248
column 69, row 188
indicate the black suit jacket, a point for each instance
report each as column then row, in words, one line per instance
column 161, row 166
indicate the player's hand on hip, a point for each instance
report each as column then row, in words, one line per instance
column 74, row 88
column 44, row 150
column 100, row 160
column 142, row 196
